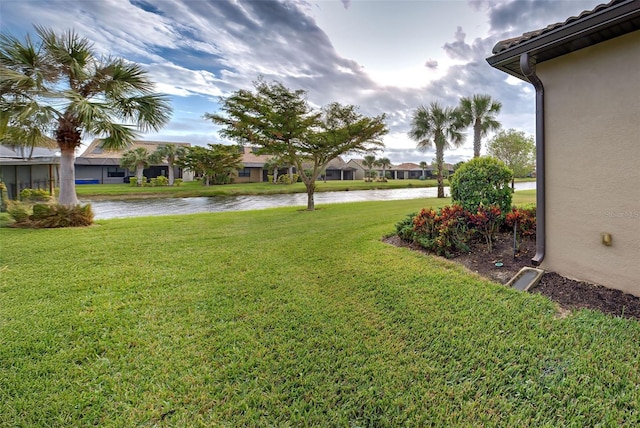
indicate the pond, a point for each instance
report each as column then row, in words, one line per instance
column 166, row 206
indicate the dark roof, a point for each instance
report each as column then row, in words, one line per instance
column 604, row 22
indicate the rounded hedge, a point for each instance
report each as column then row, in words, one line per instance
column 482, row 181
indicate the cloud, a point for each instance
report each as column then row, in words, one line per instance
column 431, row 63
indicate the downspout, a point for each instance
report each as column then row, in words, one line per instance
column 530, row 74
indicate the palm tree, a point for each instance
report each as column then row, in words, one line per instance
column 369, row 161
column 424, row 166
column 84, row 94
column 274, row 163
column 384, row 163
column 136, row 160
column 479, row 111
column 440, row 127
column 170, row 152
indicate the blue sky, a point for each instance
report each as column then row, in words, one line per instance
column 386, row 56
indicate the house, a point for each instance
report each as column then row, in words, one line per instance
column 585, row 72
column 21, row 168
column 99, row 166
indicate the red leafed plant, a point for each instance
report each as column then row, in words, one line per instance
column 486, row 221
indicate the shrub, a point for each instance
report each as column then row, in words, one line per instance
column 34, row 195
column 524, row 219
column 177, row 182
column 485, row 222
column 161, row 180
column 153, row 182
column 404, row 228
column 270, row 178
column 482, row 181
column 63, row 216
column 18, row 211
column 444, row 232
column 133, row 181
column 50, row 215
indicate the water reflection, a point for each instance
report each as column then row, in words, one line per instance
column 166, row 206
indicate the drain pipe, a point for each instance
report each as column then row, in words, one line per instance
column 530, row 74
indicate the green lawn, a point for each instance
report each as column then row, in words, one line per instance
column 190, row 189
column 284, row 317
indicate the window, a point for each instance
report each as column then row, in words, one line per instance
column 244, row 172
column 114, row 171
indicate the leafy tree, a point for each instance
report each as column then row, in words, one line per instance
column 61, row 80
column 170, row 153
column 216, row 164
column 369, row 161
column 136, row 160
column 424, row 166
column 482, row 181
column 516, row 150
column 281, row 122
column 480, row 112
column 384, row 164
column 438, row 126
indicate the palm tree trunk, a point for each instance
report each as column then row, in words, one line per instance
column 139, row 171
column 275, row 175
column 171, row 174
column 476, row 139
column 440, row 163
column 68, row 195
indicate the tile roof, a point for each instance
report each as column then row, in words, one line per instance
column 509, row 43
column 606, row 21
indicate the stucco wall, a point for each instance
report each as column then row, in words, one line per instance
column 592, row 114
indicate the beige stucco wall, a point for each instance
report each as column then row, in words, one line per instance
column 592, row 114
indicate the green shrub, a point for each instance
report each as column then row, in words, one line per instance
column 162, row 180
column 482, row 181
column 41, row 211
column 404, row 228
column 177, row 182
column 18, row 211
column 133, row 181
column 34, row 195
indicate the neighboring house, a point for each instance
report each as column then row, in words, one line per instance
column 586, row 73
column 22, row 169
column 253, row 167
column 99, row 166
column 358, row 168
column 406, row 171
column 338, row 169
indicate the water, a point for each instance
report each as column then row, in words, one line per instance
column 165, row 206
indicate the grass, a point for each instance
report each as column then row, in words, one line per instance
column 283, row 317
column 191, row 189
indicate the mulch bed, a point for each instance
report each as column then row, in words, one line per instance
column 567, row 293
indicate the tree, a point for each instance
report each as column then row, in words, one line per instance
column 215, row 164
column 171, row 153
column 384, row 164
column 136, row 160
column 369, row 161
column 62, row 78
column 516, row 150
column 281, row 122
column 440, row 127
column 424, row 166
column 480, row 112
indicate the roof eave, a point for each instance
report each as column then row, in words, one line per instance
column 570, row 37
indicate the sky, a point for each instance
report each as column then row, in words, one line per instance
column 384, row 56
